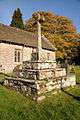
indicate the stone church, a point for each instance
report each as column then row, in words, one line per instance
column 17, row 46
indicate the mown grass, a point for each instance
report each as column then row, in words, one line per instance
column 62, row 106
column 77, row 71
column 14, row 106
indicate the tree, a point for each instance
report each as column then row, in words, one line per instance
column 17, row 19
column 60, row 31
column 53, row 24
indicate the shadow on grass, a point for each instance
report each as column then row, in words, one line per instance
column 72, row 95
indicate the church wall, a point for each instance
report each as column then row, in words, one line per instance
column 7, row 56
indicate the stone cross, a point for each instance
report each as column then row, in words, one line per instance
column 39, row 49
column 39, row 18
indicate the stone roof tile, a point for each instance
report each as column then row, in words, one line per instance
column 17, row 36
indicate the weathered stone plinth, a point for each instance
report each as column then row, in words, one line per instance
column 39, row 70
column 35, row 88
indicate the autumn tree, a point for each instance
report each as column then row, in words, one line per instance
column 17, row 19
column 53, row 24
column 60, row 31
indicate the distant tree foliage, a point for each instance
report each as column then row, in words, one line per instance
column 61, row 32
column 17, row 19
column 53, row 24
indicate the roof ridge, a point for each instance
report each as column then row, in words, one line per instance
column 18, row 36
column 14, row 28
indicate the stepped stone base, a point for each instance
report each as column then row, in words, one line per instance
column 36, row 88
column 58, row 83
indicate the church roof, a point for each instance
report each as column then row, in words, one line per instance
column 16, row 36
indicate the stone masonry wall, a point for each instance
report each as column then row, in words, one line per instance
column 36, row 88
column 7, row 55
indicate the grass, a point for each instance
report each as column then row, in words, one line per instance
column 77, row 71
column 14, row 106
column 62, row 106
column 3, row 75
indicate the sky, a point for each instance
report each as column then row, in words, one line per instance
column 68, row 8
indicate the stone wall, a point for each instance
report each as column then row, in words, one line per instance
column 39, row 65
column 36, row 88
column 27, row 87
column 42, row 70
column 7, row 54
column 48, row 56
column 56, row 84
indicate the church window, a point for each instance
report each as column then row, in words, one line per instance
column 17, row 55
column 48, row 56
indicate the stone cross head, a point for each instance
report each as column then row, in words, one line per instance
column 38, row 17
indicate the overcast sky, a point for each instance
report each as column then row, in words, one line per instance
column 69, row 8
